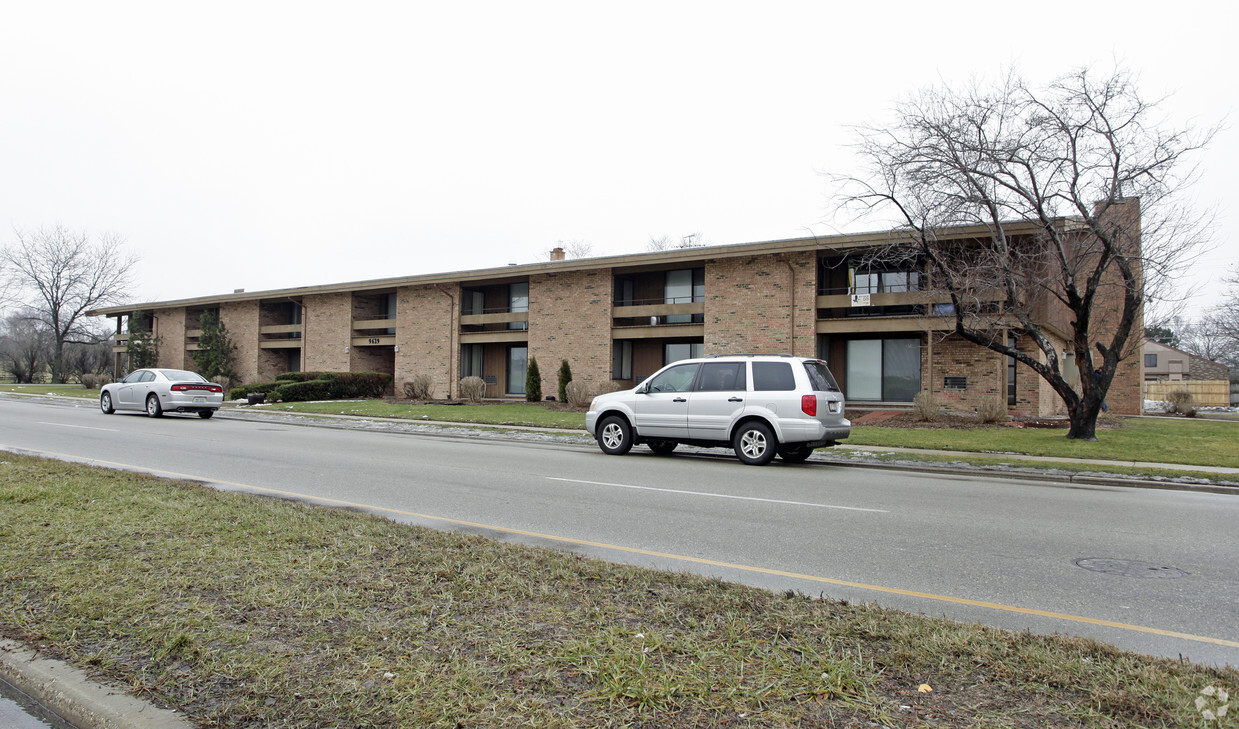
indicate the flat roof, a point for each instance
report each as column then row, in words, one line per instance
column 628, row 260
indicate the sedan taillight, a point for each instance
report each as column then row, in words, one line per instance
column 808, row 404
column 187, row 388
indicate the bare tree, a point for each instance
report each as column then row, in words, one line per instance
column 65, row 274
column 1216, row 335
column 667, row 243
column 577, row 248
column 1075, row 187
column 25, row 347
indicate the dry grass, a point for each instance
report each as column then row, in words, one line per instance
column 243, row 611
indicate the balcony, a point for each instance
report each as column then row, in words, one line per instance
column 658, row 318
column 279, row 336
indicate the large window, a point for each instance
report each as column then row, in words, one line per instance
column 518, row 366
column 621, row 360
column 518, row 301
column 471, row 358
column 1150, row 360
column 886, row 370
column 682, row 350
column 684, row 286
column 865, row 281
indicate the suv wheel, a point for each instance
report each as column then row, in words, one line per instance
column 662, row 447
column 615, row 436
column 795, row 453
column 754, row 443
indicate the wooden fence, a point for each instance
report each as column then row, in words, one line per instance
column 1206, row 393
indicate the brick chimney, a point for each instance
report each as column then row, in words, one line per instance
column 557, row 254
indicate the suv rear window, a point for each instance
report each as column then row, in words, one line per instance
column 820, row 377
column 773, row 376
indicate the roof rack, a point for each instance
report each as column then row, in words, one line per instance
column 750, row 354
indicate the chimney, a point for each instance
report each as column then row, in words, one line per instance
column 557, row 254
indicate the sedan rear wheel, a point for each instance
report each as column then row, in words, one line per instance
column 105, row 403
column 205, row 414
column 754, row 444
column 153, row 408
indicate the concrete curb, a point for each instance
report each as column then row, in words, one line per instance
column 70, row 694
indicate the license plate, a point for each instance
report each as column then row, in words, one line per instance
column 199, row 399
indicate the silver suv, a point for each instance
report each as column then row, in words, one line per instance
column 757, row 404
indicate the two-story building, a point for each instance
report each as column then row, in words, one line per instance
column 617, row 319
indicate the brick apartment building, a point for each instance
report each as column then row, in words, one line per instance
column 617, row 319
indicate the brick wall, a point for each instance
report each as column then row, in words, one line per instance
column 984, row 370
column 170, row 325
column 570, row 319
column 762, row 304
column 426, row 326
column 241, row 321
column 327, row 329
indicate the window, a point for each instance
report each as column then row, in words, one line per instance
column 684, row 286
column 472, row 301
column 888, row 370
column 773, row 376
column 1150, row 360
column 820, row 377
column 471, row 359
column 621, row 360
column 678, row 351
column 518, row 301
column 722, row 377
column 1011, row 372
column 517, row 368
column 676, row 379
column 625, row 291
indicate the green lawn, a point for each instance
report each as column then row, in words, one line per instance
column 516, row 413
column 1188, row 441
column 241, row 611
column 67, row 390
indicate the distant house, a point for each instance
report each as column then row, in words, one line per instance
column 1165, row 363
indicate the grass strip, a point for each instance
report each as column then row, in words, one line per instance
column 516, row 413
column 66, row 390
column 246, row 611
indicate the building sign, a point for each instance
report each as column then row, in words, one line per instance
column 860, row 299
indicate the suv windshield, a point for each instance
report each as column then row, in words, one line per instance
column 820, row 377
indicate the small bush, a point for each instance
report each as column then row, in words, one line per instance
column 90, row 381
column 925, row 408
column 565, row 377
column 577, row 394
column 992, row 410
column 473, row 388
column 275, row 396
column 533, row 381
column 421, row 387
column 1182, row 402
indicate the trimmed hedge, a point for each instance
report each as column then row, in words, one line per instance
column 302, row 386
column 239, row 393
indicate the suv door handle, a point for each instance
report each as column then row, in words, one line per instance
column 735, row 399
column 678, row 399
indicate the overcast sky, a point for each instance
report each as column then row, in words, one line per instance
column 263, row 145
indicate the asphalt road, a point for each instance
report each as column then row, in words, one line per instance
column 1147, row 570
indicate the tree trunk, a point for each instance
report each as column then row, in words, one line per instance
column 1083, row 422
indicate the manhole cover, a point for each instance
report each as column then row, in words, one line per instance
column 1130, row 568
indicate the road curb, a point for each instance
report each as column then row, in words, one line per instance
column 69, row 693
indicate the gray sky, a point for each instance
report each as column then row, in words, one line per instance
column 262, row 145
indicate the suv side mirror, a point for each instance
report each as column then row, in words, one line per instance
column 644, row 389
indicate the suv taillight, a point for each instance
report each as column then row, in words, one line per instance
column 808, row 404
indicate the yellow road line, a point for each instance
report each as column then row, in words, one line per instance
column 680, row 557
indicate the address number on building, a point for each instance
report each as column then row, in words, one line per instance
column 373, row 340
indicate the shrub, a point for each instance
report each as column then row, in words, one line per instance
column 90, row 381
column 533, row 381
column 421, row 387
column 303, row 391
column 577, row 394
column 472, row 388
column 239, row 393
column 565, row 377
column 992, row 410
column 925, row 408
column 1182, row 402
